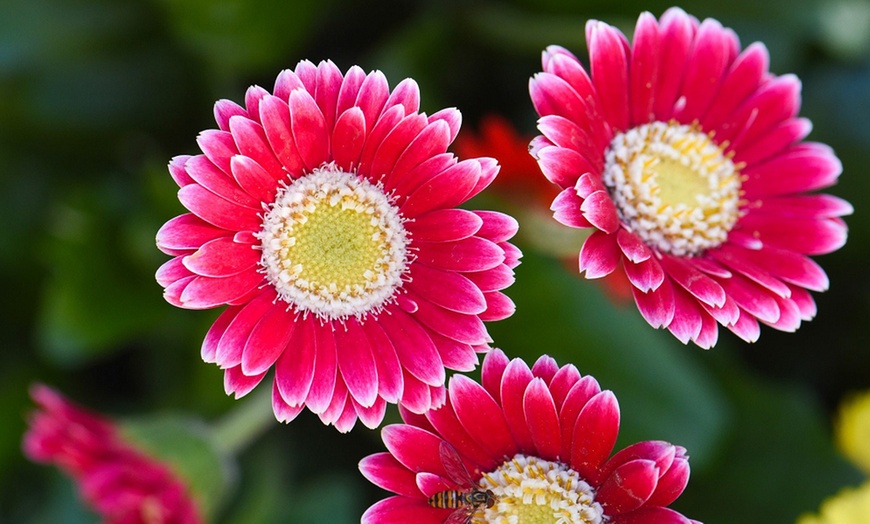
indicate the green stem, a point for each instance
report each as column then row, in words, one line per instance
column 243, row 424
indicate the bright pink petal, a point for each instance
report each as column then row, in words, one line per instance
column 390, row 383
column 494, row 364
column 609, row 65
column 632, row 246
column 752, row 298
column 455, row 355
column 275, row 115
column 309, row 129
column 494, row 279
column 599, row 209
column 628, row 487
column 599, row 255
column 742, row 79
column 481, row 417
column 498, row 307
column 577, row 397
column 172, row 271
column 323, row 385
column 595, row 431
column 432, row 140
column 511, row 392
column 219, row 146
column 348, row 138
column 253, row 179
column 775, row 101
column 222, row 257
column 394, row 143
column 701, row 286
column 686, row 324
column 809, row 236
column 468, row 329
column 562, row 166
column 252, row 141
column 676, row 33
column 218, row 211
column 350, row 86
column 774, row 141
column 731, row 257
column 563, row 381
column 384, row 471
column 446, row 189
column 186, row 232
column 656, row 306
column 356, row 363
column 497, row 227
column 644, row 276
column 447, row 289
column 238, row 384
column 414, row 347
column 444, row 225
column 470, row 254
column 294, row 370
column 373, row 94
column 542, row 420
column 401, row 510
column 215, row 332
column 224, row 110
column 704, row 70
column 370, row 416
column 268, row 340
column 804, row 167
column 232, row 342
column 206, row 174
column 406, row 94
column 566, row 209
column 207, row 292
column 643, row 69
column 567, row 134
column 452, row 117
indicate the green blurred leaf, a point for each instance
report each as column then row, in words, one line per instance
column 186, row 445
column 663, row 392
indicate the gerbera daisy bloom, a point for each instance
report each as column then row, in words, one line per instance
column 123, row 484
column 324, row 215
column 528, row 445
column 685, row 157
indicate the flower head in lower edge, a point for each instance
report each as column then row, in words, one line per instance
column 120, row 482
column 324, row 214
column 849, row 506
column 539, row 440
column 686, row 158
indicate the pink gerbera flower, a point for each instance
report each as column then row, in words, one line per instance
column 123, row 485
column 324, row 214
column 529, row 445
column 686, row 158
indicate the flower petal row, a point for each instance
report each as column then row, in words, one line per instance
column 121, row 483
column 539, row 439
column 324, row 215
column 686, row 158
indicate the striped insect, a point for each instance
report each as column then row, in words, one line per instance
column 465, row 500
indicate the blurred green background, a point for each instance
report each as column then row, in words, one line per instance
column 97, row 95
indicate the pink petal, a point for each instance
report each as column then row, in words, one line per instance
column 752, row 298
column 338, row 404
column 645, row 276
column 329, row 81
column 416, row 395
column 177, row 172
column 232, row 342
column 563, row 381
column 676, row 33
column 283, row 412
column 207, row 292
column 774, row 142
column 218, row 211
column 218, row 146
column 743, row 78
column 397, row 140
column 553, row 95
column 577, row 397
column 510, row 394
column 804, row 167
column 407, row 94
column 294, row 370
column 632, row 246
column 567, row 134
column 709, row 333
column 599, row 255
column 817, row 206
column 495, row 279
column 809, row 236
column 447, row 289
column 746, row 327
column 253, row 179
column 238, row 384
column 497, row 227
column 542, row 420
column 452, row 117
column 222, row 257
column 275, row 115
column 595, row 431
column 226, row 109
column 702, row 287
column 481, row 417
column 375, row 136
column 468, row 329
column 411, row 181
column 414, row 347
column 172, row 292
column 656, row 306
column 206, row 174
column 347, row 94
column 562, row 166
column 373, row 94
column 309, row 129
column 253, row 96
column 390, row 383
column 789, row 316
column 545, row 367
column 704, row 71
column 348, row 138
column 470, row 254
column 432, row 140
column 628, row 487
column 414, row 448
column 446, row 189
column 370, row 416
column 186, row 232
column 599, row 209
column 686, row 324
column 732, row 257
column 252, row 141
column 444, row 225
column 286, row 82
column 609, row 65
column 401, row 510
column 268, row 340
column 643, row 69
column 775, row 101
column 455, row 355
column 215, row 332
column 805, row 303
column 356, row 363
column 172, row 271
column 566, row 209
column 498, row 307
column 494, row 364
column 323, row 385
column 384, row 471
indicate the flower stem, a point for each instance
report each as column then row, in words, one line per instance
column 242, row 425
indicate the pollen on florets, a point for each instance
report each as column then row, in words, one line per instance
column 673, row 186
column 334, row 245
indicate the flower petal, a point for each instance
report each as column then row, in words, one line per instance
column 595, row 431
column 542, row 420
column 599, row 255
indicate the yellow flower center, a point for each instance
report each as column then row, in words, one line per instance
column 536, row 491
column 334, row 245
column 673, row 186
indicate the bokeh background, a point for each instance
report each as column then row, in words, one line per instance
column 97, row 95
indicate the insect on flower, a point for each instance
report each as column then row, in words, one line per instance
column 467, row 500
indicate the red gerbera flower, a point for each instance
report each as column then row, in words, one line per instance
column 324, row 214
column 122, row 484
column 529, row 445
column 685, row 157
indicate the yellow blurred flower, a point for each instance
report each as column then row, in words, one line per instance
column 853, row 431
column 849, row 506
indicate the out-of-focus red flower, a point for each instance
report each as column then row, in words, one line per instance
column 121, row 483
